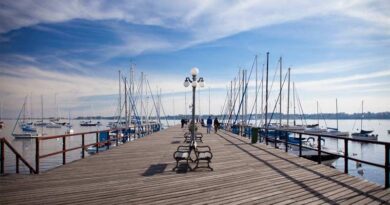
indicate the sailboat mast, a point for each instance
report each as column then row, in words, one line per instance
column 127, row 121
column 294, row 101
column 141, row 95
column 280, row 92
column 119, row 97
column 266, row 97
column 318, row 117
column 256, row 89
column 337, row 117
column 361, row 119
column 288, row 97
column 262, row 95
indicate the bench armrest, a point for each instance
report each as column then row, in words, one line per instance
column 203, row 148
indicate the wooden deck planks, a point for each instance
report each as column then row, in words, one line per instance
column 243, row 174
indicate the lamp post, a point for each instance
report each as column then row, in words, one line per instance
column 194, row 82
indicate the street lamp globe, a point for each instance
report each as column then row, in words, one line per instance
column 201, row 82
column 194, row 83
column 194, row 71
column 186, row 82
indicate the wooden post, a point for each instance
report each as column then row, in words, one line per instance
column 63, row 150
column 319, row 150
column 300, row 144
column 387, row 163
column 37, row 155
column 117, row 138
column 286, row 142
column 97, row 142
column 346, row 155
column 108, row 141
column 2, row 156
column 82, row 146
column 275, row 140
column 17, row 164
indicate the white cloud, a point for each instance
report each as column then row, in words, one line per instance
column 204, row 21
column 324, row 83
column 338, row 66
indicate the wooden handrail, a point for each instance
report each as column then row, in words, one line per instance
column 18, row 156
column 64, row 150
column 385, row 166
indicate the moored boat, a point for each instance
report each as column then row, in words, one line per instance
column 364, row 135
column 89, row 123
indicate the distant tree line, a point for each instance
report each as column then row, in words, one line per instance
column 340, row 116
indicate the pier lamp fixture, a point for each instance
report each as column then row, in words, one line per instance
column 194, row 83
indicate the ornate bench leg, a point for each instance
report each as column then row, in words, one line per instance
column 177, row 165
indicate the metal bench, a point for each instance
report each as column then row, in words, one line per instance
column 203, row 154
column 198, row 137
column 182, row 153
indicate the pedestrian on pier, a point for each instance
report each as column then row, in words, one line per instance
column 216, row 125
column 183, row 121
column 209, row 123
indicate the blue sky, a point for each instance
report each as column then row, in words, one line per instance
column 336, row 49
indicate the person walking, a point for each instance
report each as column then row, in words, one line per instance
column 216, row 125
column 209, row 123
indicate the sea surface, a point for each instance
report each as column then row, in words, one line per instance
column 364, row 151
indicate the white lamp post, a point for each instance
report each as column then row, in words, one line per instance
column 194, row 82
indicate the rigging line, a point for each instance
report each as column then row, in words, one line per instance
column 277, row 100
column 273, row 80
column 162, row 108
column 245, row 90
column 223, row 107
column 300, row 108
column 154, row 102
column 234, row 104
column 326, row 125
column 250, row 116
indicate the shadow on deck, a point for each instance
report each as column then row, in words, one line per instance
column 140, row 173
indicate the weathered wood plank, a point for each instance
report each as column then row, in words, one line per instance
column 243, row 174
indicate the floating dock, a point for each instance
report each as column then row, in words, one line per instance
column 140, row 172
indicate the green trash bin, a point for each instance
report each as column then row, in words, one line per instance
column 255, row 135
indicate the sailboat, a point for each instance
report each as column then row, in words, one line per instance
column 27, row 129
column 41, row 123
column 335, row 131
column 364, row 134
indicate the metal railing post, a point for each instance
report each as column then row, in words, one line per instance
column 108, row 141
column 97, row 142
column 275, row 137
column 117, row 138
column 37, row 155
column 82, row 146
column 387, row 168
column 286, row 142
column 63, row 150
column 319, row 149
column 17, row 164
column 2, row 156
column 300, row 144
column 346, row 155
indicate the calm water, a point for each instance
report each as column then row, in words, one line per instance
column 368, row 152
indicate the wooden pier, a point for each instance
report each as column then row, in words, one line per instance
column 140, row 172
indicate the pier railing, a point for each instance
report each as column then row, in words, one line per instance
column 137, row 131
column 18, row 157
column 283, row 133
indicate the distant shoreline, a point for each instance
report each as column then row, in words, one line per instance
column 327, row 116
